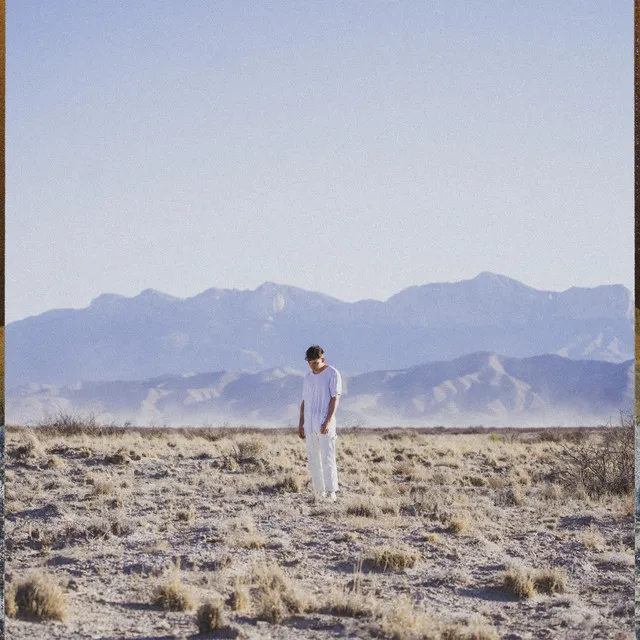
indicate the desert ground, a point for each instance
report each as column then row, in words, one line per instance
column 123, row 532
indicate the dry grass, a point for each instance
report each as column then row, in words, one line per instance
column 251, row 540
column 120, row 508
column 362, row 508
column 520, row 582
column 471, row 630
column 186, row 515
column 551, row 581
column 459, row 524
column 239, row 599
column 524, row 582
column 342, row 602
column 396, row 558
column 211, row 617
column 401, row 620
column 289, row 483
column 277, row 596
column 172, row 595
column 593, row 539
column 36, row 597
column 248, row 451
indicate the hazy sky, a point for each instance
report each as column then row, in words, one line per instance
column 352, row 148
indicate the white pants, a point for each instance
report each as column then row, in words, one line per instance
column 321, row 454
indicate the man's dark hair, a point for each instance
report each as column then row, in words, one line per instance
column 314, row 352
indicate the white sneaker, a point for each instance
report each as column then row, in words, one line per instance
column 332, row 496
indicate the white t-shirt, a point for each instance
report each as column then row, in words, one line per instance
column 317, row 391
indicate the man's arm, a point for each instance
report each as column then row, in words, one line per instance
column 333, row 405
column 301, row 423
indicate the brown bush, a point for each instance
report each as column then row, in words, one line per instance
column 37, row 597
column 551, row 581
column 172, row 596
column 603, row 463
column 519, row 581
column 210, row 616
column 524, row 582
column 392, row 559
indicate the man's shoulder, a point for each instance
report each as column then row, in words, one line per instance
column 334, row 370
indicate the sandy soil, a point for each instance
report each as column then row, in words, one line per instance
column 227, row 516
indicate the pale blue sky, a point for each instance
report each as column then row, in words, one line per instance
column 352, row 148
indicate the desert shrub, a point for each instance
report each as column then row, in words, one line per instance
column 55, row 462
column 604, row 463
column 37, row 597
column 239, row 598
column 172, row 595
column 471, row 630
column 119, row 457
column 475, row 481
column 495, row 481
column 277, row 595
column 98, row 528
column 551, row 492
column 248, row 451
column 102, row 488
column 617, row 559
column 459, row 524
column 289, row 484
column 271, row 606
column 550, row 435
column 73, row 424
column 406, row 469
column 120, row 526
column 510, row 497
column 250, row 540
column 392, row 559
column 210, row 616
column 70, row 423
column 593, row 539
column 561, row 434
column 349, row 604
column 519, row 581
column 30, row 449
column 117, row 502
column 10, row 608
column 525, row 582
column 401, row 620
column 186, row 515
column 362, row 507
column 551, row 581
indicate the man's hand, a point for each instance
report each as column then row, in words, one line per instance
column 301, row 432
column 323, row 428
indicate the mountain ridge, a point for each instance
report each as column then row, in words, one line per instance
column 481, row 387
column 154, row 333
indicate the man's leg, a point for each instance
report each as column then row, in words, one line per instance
column 315, row 463
column 329, row 467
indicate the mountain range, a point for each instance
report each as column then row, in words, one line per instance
column 479, row 388
column 153, row 334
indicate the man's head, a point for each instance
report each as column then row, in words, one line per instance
column 315, row 357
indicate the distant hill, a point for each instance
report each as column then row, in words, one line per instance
column 480, row 388
column 119, row 338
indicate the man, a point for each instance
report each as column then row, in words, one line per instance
column 321, row 389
